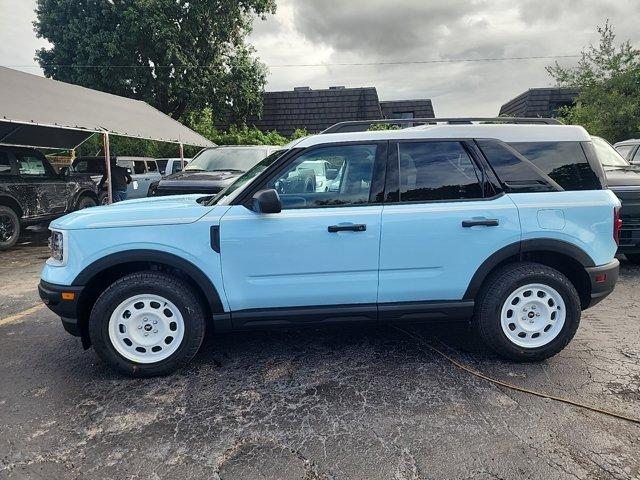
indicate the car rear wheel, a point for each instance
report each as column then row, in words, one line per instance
column 85, row 202
column 527, row 312
column 147, row 324
column 9, row 227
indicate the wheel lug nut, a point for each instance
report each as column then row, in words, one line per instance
column 139, row 327
column 155, row 331
column 155, row 322
column 146, row 334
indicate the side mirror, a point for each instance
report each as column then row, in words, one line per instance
column 64, row 171
column 332, row 173
column 267, row 201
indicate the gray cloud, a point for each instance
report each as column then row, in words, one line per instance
column 361, row 31
column 383, row 31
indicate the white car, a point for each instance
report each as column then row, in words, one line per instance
column 168, row 166
column 325, row 173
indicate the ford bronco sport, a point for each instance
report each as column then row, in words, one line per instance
column 437, row 222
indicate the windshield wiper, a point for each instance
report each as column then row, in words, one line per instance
column 196, row 169
column 225, row 170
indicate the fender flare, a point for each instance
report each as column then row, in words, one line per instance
column 11, row 202
column 522, row 247
column 127, row 256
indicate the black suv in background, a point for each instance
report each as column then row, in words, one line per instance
column 212, row 169
column 31, row 192
column 624, row 180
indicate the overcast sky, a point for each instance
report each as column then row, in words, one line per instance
column 366, row 31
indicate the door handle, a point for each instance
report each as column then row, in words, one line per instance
column 481, row 222
column 352, row 227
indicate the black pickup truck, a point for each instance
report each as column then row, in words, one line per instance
column 31, row 192
column 623, row 179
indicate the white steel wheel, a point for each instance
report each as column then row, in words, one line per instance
column 533, row 315
column 146, row 328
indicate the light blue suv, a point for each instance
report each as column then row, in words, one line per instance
column 439, row 222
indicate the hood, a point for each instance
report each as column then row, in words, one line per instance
column 176, row 210
column 622, row 177
column 224, row 176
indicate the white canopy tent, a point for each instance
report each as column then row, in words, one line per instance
column 43, row 113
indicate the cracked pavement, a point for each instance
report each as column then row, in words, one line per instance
column 333, row 403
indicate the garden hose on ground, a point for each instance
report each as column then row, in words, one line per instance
column 501, row 383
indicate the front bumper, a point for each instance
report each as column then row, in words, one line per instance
column 51, row 295
column 603, row 280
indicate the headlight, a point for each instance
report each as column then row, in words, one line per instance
column 57, row 245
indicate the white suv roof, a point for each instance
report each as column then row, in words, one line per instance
column 505, row 132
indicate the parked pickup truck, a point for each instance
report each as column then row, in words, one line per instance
column 442, row 222
column 212, row 170
column 31, row 192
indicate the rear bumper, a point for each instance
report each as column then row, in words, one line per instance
column 51, row 296
column 603, row 280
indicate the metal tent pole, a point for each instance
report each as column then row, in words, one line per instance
column 181, row 156
column 107, row 163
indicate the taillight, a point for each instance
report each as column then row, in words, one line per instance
column 617, row 225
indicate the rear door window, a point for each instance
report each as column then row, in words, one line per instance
column 437, row 171
column 152, row 166
column 565, row 162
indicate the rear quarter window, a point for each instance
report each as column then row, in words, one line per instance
column 565, row 162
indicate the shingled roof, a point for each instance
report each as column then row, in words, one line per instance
column 316, row 110
column 421, row 108
column 539, row 102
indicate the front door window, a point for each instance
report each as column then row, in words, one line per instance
column 347, row 178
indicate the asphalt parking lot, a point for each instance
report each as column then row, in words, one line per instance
column 344, row 403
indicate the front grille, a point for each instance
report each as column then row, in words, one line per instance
column 630, row 232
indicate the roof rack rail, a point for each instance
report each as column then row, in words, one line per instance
column 363, row 125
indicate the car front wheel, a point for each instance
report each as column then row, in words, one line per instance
column 9, row 228
column 147, row 324
column 527, row 312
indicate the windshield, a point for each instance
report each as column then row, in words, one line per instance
column 232, row 158
column 229, row 193
column 88, row 165
column 607, row 154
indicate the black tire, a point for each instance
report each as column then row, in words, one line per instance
column 9, row 227
column 156, row 283
column 494, row 294
column 85, row 201
column 633, row 258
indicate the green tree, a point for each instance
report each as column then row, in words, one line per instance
column 608, row 79
column 177, row 55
